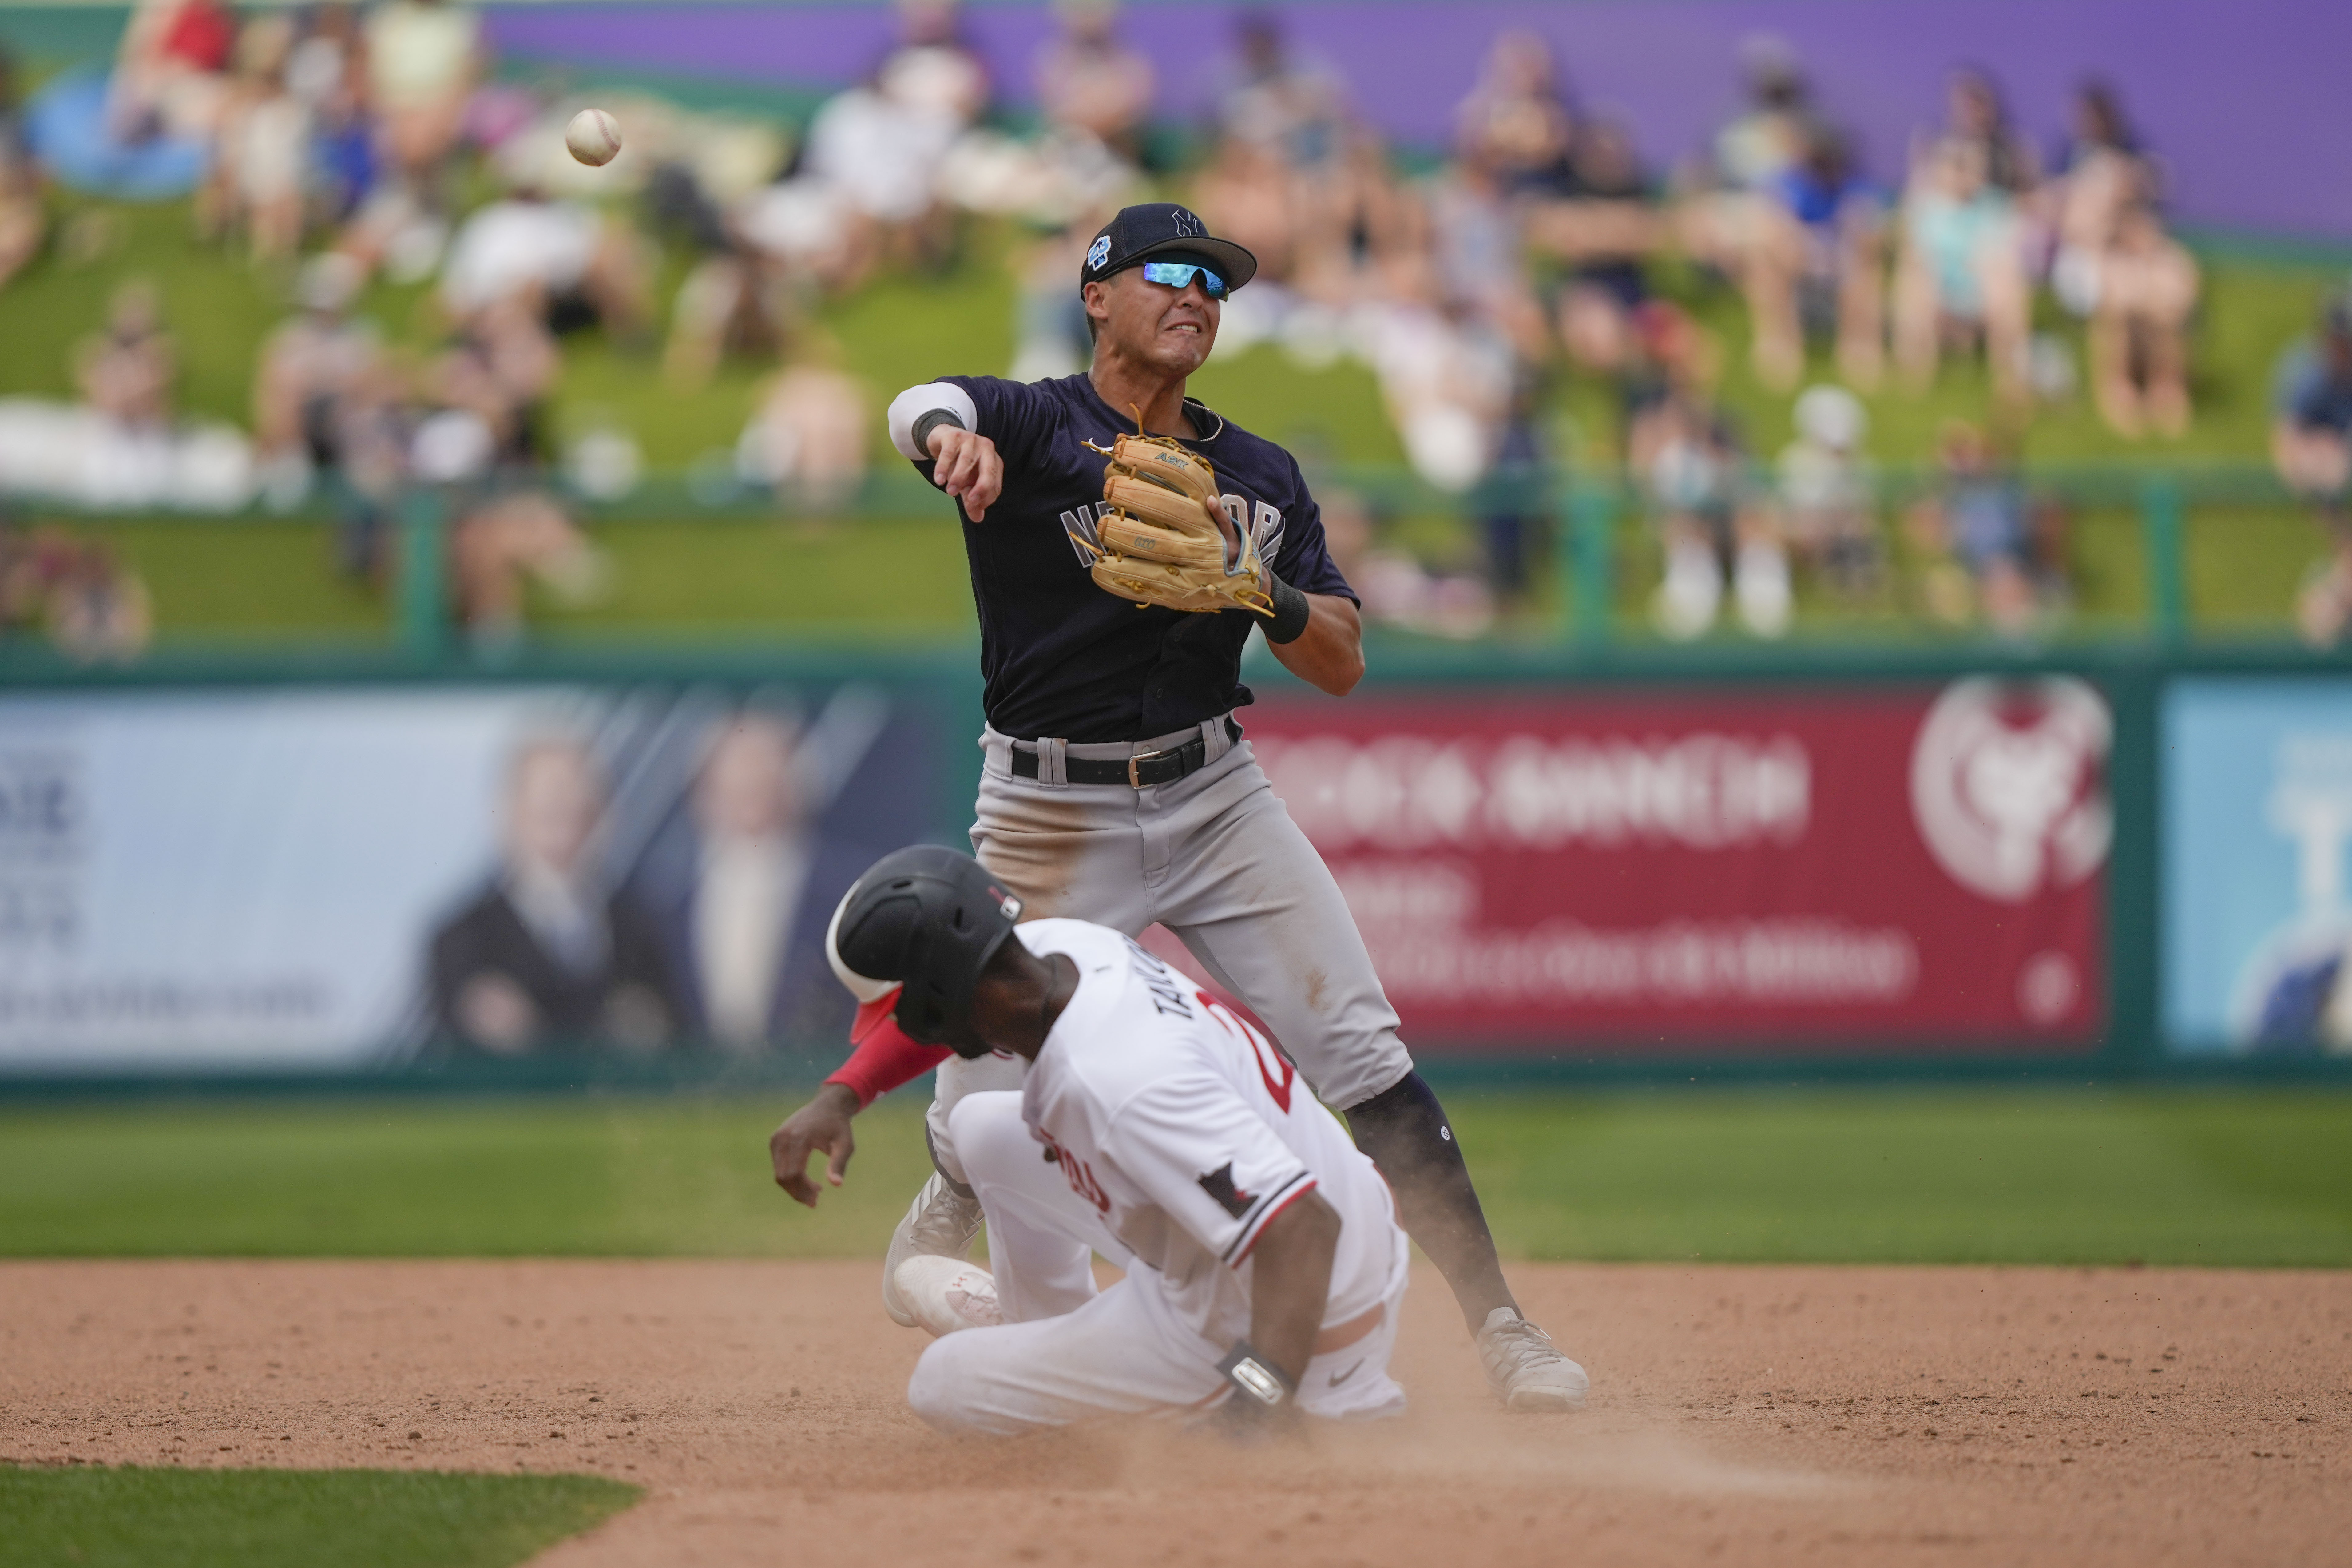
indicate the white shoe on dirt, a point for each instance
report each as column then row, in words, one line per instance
column 946, row 1294
column 1525, row 1369
column 942, row 1223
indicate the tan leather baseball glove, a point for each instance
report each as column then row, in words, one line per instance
column 1161, row 538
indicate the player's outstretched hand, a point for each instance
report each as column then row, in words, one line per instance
column 820, row 1126
column 968, row 469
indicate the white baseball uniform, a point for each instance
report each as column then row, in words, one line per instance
column 1159, row 1129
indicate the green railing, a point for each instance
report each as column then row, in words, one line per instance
column 1593, row 529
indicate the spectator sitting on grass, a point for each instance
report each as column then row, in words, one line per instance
column 424, row 58
column 485, row 446
column 1763, row 143
column 1246, row 195
column 126, row 371
column 2311, row 449
column 808, row 438
column 1688, row 462
column 1363, row 234
column 880, row 144
column 1477, row 258
column 1294, row 111
column 933, row 68
column 2105, row 173
column 1518, row 115
column 1820, row 267
column 1829, row 491
column 23, row 221
column 2146, row 288
column 1605, row 225
column 1734, row 213
column 170, row 71
column 502, row 366
column 1088, row 82
column 1978, row 116
column 91, row 606
column 309, row 369
column 1961, row 278
column 570, row 265
column 1995, row 552
column 261, row 156
column 324, row 73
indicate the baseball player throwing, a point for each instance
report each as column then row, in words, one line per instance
column 1264, row 1262
column 1123, row 540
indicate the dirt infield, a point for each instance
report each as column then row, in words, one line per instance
column 1823, row 1415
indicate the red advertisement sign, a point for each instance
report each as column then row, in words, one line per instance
column 1652, row 871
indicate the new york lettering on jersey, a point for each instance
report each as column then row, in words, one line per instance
column 1060, row 657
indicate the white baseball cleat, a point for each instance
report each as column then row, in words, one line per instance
column 942, row 1223
column 946, row 1294
column 1525, row 1369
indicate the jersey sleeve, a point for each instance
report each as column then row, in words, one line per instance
column 883, row 1060
column 1013, row 414
column 1304, row 560
column 1206, row 1160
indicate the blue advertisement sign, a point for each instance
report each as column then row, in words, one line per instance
column 325, row 878
column 2257, row 823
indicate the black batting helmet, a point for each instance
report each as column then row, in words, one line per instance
column 910, row 940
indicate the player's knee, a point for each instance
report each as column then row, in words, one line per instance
column 935, row 1393
column 990, row 1137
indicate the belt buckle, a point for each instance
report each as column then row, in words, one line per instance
column 1134, row 779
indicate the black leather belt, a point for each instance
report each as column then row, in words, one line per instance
column 1138, row 771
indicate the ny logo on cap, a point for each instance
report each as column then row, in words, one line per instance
column 1187, row 225
column 1098, row 252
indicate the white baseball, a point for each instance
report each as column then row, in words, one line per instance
column 593, row 136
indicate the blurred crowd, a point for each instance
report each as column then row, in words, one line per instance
column 1544, row 249
column 1544, row 246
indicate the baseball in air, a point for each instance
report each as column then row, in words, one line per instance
column 593, row 137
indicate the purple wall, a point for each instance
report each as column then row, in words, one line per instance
column 2244, row 100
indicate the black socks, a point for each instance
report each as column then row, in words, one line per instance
column 1405, row 1130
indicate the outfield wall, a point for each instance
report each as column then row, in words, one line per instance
column 1970, row 863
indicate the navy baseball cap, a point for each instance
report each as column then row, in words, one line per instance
column 1137, row 234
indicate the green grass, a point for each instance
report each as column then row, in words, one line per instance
column 134, row 1517
column 2253, row 1180
column 2058, row 1176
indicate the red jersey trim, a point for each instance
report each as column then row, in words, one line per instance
column 1299, row 1187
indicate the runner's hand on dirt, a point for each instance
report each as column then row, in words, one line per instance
column 967, row 468
column 821, row 1125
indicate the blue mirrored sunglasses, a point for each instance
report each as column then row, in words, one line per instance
column 1179, row 275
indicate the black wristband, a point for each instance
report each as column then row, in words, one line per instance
column 1256, row 1378
column 931, row 420
column 1290, row 610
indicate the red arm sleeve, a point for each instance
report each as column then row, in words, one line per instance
column 884, row 1059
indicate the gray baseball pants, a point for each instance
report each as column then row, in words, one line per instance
column 1215, row 858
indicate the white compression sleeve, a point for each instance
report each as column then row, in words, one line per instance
column 917, row 401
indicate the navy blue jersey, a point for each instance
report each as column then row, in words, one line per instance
column 1063, row 657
